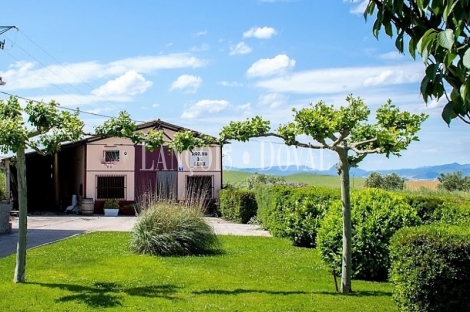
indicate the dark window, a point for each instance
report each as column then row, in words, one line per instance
column 111, row 187
column 110, row 156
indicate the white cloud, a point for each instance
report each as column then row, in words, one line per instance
column 205, row 106
column 240, row 48
column 280, row 64
column 200, row 33
column 245, row 108
column 81, row 100
column 189, row 83
column 156, row 105
column 260, row 32
column 131, row 83
column 25, row 75
column 359, row 6
column 272, row 100
column 230, row 84
column 342, row 80
column 391, row 56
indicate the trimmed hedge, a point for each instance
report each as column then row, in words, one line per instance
column 237, row 205
column 430, row 268
column 448, row 209
column 376, row 215
column 293, row 212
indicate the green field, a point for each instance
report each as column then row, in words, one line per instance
column 236, row 177
column 96, row 272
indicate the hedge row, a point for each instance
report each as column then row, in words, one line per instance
column 430, row 268
column 294, row 213
column 299, row 214
column 376, row 215
column 237, row 205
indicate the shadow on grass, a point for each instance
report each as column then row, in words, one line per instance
column 106, row 295
column 239, row 291
column 357, row 293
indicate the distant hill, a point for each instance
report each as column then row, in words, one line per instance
column 421, row 173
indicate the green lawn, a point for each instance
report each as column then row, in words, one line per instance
column 97, row 272
column 235, row 177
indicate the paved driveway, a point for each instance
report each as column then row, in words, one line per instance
column 48, row 229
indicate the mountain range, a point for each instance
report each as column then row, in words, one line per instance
column 421, row 173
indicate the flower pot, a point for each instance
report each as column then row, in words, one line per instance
column 111, row 212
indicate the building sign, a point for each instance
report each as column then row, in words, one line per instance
column 199, row 159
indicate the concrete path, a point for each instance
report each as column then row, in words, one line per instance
column 47, row 229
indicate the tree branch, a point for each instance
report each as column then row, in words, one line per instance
column 37, row 150
column 294, row 142
column 363, row 152
column 341, row 138
column 356, row 144
column 463, row 119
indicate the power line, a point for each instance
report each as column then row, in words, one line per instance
column 34, row 71
column 67, row 108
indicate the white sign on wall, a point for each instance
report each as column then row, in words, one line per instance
column 199, row 159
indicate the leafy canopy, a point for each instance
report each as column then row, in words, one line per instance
column 439, row 31
column 345, row 128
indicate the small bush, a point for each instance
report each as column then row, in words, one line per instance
column 165, row 229
column 430, row 268
column 376, row 215
column 293, row 212
column 237, row 205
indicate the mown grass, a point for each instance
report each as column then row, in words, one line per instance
column 237, row 177
column 97, row 272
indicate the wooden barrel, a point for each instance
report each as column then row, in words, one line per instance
column 88, row 206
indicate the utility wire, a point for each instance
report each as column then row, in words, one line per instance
column 34, row 71
column 17, row 45
column 57, row 61
column 67, row 108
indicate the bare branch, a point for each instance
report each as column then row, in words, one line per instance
column 295, row 142
column 363, row 152
column 356, row 144
column 341, row 138
column 32, row 134
column 37, row 150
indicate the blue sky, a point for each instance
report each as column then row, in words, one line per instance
column 201, row 64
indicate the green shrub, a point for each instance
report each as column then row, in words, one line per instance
column 388, row 182
column 172, row 230
column 237, row 205
column 454, row 181
column 376, row 215
column 294, row 213
column 453, row 210
column 430, row 268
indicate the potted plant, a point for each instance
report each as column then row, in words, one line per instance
column 111, row 207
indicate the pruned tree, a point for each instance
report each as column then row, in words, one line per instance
column 439, row 31
column 347, row 132
column 46, row 128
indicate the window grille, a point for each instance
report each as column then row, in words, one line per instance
column 110, row 156
column 110, row 187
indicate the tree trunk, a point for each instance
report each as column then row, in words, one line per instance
column 346, row 270
column 22, row 222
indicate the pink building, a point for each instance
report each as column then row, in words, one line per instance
column 115, row 168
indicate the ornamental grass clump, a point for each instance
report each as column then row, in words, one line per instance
column 166, row 229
